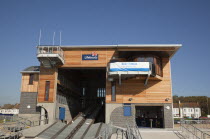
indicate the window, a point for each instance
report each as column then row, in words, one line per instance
column 113, row 90
column 158, row 67
column 47, row 90
column 140, row 59
column 156, row 62
column 149, row 59
column 31, row 79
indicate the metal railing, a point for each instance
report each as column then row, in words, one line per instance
column 50, row 50
column 194, row 129
column 106, row 134
column 130, row 132
column 7, row 118
column 204, row 124
column 13, row 129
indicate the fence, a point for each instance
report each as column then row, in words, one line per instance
column 195, row 129
column 8, row 118
column 13, row 128
column 50, row 50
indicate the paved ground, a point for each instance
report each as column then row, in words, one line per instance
column 158, row 135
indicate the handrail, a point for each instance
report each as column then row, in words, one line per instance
column 50, row 50
column 14, row 129
column 129, row 132
column 194, row 132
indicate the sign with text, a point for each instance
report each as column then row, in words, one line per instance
column 92, row 56
column 129, row 66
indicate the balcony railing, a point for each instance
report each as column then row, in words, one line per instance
column 50, row 50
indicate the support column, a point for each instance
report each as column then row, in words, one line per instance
column 42, row 116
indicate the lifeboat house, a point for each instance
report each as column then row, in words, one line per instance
column 131, row 83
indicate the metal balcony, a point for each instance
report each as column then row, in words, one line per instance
column 50, row 56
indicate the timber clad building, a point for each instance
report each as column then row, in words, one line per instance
column 130, row 83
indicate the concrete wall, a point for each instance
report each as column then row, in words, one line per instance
column 68, row 116
column 115, row 114
column 50, row 109
column 168, row 116
column 28, row 103
column 72, row 106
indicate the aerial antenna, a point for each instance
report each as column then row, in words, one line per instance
column 40, row 35
column 54, row 38
column 60, row 38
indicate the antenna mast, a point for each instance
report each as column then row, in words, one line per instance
column 40, row 35
column 60, row 38
column 54, row 38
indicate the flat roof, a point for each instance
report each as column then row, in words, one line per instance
column 167, row 50
column 116, row 46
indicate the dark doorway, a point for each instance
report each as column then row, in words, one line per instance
column 149, row 116
column 83, row 88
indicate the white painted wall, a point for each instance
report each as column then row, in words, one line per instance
column 187, row 112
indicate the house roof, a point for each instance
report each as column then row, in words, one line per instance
column 186, row 105
column 11, row 106
column 31, row 69
column 175, row 105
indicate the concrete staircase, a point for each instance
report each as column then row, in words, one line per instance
column 92, row 132
column 70, row 128
column 52, row 131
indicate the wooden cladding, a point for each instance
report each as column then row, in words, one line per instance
column 29, row 84
column 131, row 90
column 134, row 91
column 47, row 85
column 73, row 58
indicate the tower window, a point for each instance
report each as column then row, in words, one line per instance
column 31, row 79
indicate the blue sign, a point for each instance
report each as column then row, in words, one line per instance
column 92, row 56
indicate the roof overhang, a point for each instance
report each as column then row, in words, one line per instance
column 29, row 72
column 163, row 49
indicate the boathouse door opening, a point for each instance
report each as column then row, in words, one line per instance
column 149, row 116
column 84, row 88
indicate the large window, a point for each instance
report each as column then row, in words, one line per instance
column 47, row 90
column 154, row 60
column 113, row 90
column 158, row 66
column 31, row 79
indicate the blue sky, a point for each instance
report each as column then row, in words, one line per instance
column 185, row 22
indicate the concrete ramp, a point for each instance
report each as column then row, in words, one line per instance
column 50, row 132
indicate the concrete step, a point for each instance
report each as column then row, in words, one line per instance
column 83, row 129
column 49, row 133
column 69, row 129
column 34, row 131
column 92, row 131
